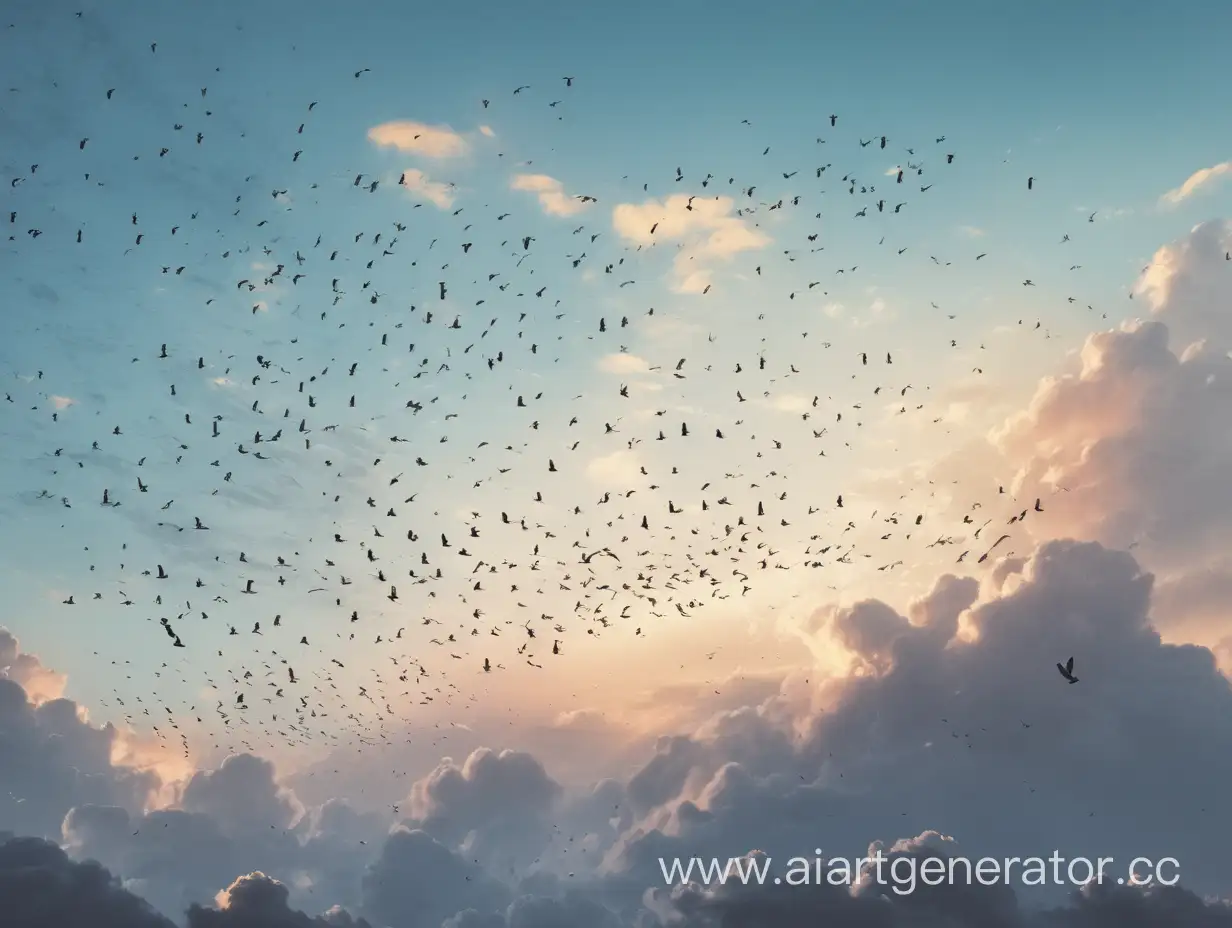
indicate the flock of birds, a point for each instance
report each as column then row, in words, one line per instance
column 441, row 599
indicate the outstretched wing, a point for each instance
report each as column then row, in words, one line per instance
column 1062, row 670
column 1069, row 666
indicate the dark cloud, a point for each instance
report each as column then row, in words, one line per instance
column 497, row 804
column 256, row 901
column 51, row 757
column 242, row 795
column 240, row 820
column 40, row 887
column 972, row 732
column 417, row 882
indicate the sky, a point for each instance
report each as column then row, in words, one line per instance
column 447, row 441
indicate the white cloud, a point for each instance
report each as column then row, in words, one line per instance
column 487, row 131
column 551, row 194
column 417, row 183
column 623, row 363
column 791, row 402
column 619, row 467
column 1195, row 182
column 63, row 402
column 705, row 227
column 419, row 138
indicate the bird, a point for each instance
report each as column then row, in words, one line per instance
column 1067, row 670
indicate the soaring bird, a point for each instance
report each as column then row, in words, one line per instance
column 1067, row 670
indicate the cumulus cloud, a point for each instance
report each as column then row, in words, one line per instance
column 954, row 717
column 417, row 882
column 1132, row 445
column 493, row 804
column 705, row 229
column 419, row 138
column 27, row 671
column 1195, row 182
column 951, row 716
column 418, row 184
column 242, row 794
column 40, row 887
column 550, row 192
column 52, row 758
column 257, row 901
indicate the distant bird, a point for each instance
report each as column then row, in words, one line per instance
column 1067, row 670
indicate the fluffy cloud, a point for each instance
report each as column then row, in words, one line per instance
column 1195, row 182
column 256, row 901
column 495, row 805
column 417, row 882
column 704, row 228
column 617, row 470
column 52, row 758
column 951, row 716
column 955, row 717
column 40, row 887
column 623, row 363
column 1132, row 446
column 419, row 139
column 242, row 795
column 418, row 184
column 27, row 671
column 550, row 192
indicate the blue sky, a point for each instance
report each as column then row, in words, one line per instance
column 1106, row 106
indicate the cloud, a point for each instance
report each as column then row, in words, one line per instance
column 617, row 469
column 927, row 730
column 419, row 139
column 417, row 183
column 1130, row 447
column 487, row 132
column 41, row 887
column 417, row 882
column 257, row 901
column 551, row 194
column 497, row 804
column 705, row 228
column 51, row 757
column 930, row 730
column 1196, row 182
column 623, row 363
column 27, row 671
